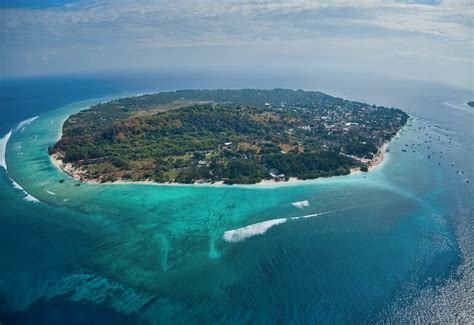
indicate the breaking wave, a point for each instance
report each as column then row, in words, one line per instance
column 3, row 163
column 3, row 149
column 21, row 126
column 243, row 233
column 310, row 215
column 240, row 234
column 27, row 196
column 300, row 204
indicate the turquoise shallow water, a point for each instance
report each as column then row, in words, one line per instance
column 378, row 246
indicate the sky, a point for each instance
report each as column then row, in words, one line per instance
column 417, row 39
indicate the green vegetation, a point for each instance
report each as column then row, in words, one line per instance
column 235, row 136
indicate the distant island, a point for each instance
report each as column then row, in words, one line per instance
column 229, row 136
column 471, row 104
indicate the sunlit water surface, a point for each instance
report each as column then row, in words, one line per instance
column 394, row 244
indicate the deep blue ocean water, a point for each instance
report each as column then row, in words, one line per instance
column 392, row 245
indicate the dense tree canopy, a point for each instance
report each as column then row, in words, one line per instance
column 236, row 136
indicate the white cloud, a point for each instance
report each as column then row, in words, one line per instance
column 90, row 32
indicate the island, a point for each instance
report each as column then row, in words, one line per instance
column 224, row 136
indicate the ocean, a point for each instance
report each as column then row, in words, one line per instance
column 391, row 245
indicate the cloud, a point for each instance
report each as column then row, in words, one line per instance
column 111, row 32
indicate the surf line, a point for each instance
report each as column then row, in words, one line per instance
column 21, row 126
column 3, row 163
column 260, row 228
column 4, row 141
column 3, row 149
column 27, row 196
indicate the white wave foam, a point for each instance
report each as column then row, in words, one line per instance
column 28, row 196
column 16, row 185
column 300, row 204
column 310, row 215
column 3, row 149
column 240, row 234
column 49, row 192
column 260, row 228
column 21, row 126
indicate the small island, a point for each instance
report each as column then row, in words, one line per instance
column 227, row 136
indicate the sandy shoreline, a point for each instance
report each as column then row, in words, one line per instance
column 77, row 174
